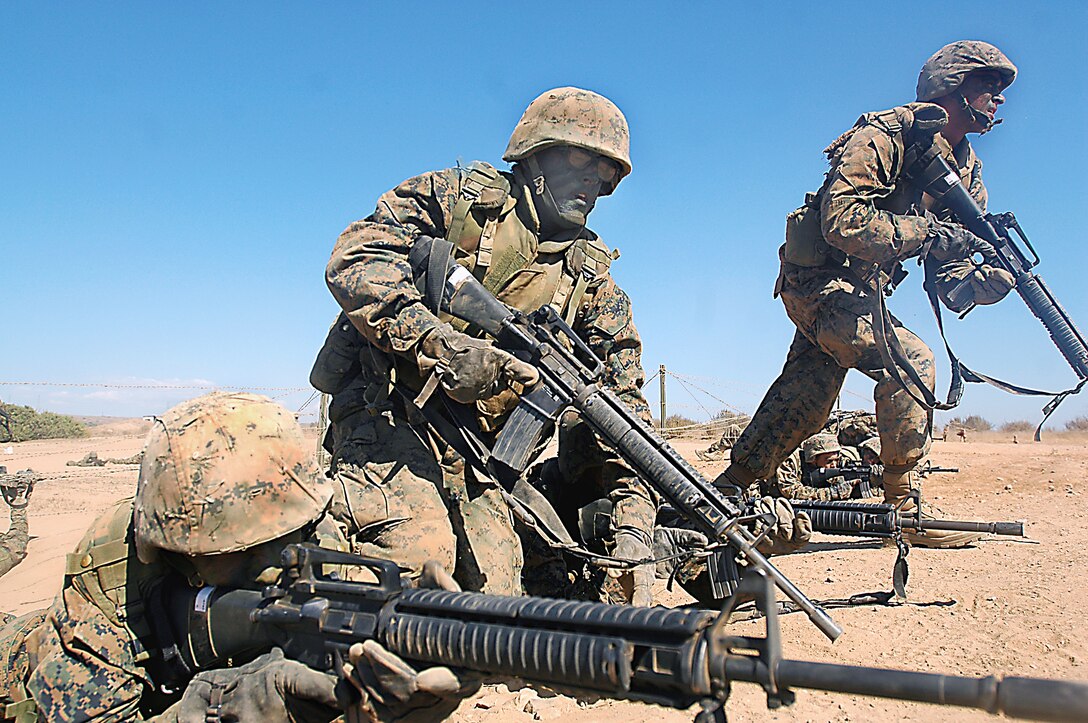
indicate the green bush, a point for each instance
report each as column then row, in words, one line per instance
column 1077, row 424
column 26, row 424
column 1020, row 425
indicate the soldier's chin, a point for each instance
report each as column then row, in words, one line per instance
column 573, row 217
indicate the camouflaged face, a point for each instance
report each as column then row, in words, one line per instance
column 946, row 69
column 225, row 472
column 573, row 117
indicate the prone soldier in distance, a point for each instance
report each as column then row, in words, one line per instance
column 845, row 250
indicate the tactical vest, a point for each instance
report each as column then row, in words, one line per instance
column 507, row 257
column 805, row 244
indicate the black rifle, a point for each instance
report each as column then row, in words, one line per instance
column 569, row 378
column 859, row 519
column 862, row 475
column 933, row 174
column 669, row 657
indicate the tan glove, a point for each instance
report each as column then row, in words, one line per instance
column 385, row 688
column 961, row 282
column 470, row 369
column 638, row 582
column 790, row 531
column 270, row 689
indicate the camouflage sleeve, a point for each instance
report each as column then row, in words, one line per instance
column 85, row 669
column 13, row 543
column 608, row 328
column 368, row 273
column 851, row 220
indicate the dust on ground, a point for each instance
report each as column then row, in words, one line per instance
column 1003, row 607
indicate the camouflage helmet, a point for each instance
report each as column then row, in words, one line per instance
column 849, row 454
column 573, row 117
column 819, row 444
column 946, row 69
column 222, row 473
column 872, row 444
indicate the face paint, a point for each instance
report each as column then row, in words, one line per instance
column 981, row 92
column 573, row 177
column 255, row 567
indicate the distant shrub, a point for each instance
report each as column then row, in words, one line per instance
column 974, row 423
column 678, row 420
column 1020, row 425
column 1077, row 424
column 26, row 424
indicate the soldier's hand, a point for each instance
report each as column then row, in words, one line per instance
column 841, row 490
column 471, row 369
column 630, row 546
column 673, row 541
column 17, row 488
column 380, row 686
column 948, row 240
column 269, row 689
column 790, row 530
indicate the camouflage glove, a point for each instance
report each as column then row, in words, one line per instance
column 637, row 582
column 380, row 686
column 672, row 541
column 270, row 689
column 470, row 369
column 790, row 531
column 840, row 490
column 948, row 240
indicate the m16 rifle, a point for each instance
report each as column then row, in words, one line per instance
column 859, row 519
column 932, row 173
column 867, row 478
column 669, row 657
column 569, row 379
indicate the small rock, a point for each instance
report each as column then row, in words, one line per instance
column 1008, row 488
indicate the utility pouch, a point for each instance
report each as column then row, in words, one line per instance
column 805, row 245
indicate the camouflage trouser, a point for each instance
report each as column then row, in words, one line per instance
column 386, row 491
column 13, row 543
column 835, row 334
column 489, row 552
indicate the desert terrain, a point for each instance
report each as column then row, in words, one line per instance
column 1005, row 606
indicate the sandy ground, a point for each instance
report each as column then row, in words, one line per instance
column 1002, row 607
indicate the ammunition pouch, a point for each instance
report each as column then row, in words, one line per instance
column 805, row 244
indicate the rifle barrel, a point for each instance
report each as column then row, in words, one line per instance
column 1034, row 698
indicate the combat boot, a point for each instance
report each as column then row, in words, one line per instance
column 897, row 488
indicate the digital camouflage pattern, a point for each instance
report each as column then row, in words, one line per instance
column 573, row 117
column 500, row 243
column 870, row 214
column 237, row 459
column 945, row 70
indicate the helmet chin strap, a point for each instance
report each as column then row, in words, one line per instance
column 546, row 202
column 978, row 116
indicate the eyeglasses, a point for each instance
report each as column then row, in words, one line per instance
column 607, row 169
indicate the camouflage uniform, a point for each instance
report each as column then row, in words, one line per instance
column 868, row 214
column 13, row 542
column 392, row 481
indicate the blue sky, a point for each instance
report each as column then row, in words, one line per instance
column 174, row 175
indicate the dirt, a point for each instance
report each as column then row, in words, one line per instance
column 1005, row 606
